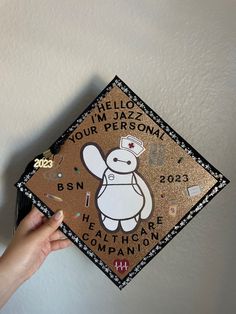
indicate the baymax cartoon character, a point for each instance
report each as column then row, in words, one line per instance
column 123, row 197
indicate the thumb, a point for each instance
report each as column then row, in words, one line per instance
column 50, row 225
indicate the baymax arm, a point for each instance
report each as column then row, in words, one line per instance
column 93, row 160
column 148, row 205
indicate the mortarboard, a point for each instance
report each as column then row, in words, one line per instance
column 126, row 181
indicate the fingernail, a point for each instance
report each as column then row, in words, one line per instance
column 58, row 215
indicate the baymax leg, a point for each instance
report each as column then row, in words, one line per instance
column 110, row 224
column 128, row 224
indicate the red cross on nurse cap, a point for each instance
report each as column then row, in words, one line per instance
column 132, row 144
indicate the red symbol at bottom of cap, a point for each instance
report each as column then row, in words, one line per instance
column 121, row 265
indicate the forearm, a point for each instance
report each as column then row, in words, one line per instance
column 9, row 281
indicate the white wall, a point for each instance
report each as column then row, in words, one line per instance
column 180, row 57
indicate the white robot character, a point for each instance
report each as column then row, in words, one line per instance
column 123, row 197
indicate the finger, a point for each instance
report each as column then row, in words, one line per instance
column 36, row 212
column 51, row 225
column 60, row 244
column 31, row 221
column 57, row 235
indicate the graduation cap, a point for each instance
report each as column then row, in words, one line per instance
column 125, row 180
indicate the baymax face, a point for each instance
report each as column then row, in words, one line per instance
column 122, row 161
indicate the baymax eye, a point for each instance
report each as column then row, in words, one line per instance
column 128, row 162
column 115, row 159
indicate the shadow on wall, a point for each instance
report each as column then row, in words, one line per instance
column 22, row 157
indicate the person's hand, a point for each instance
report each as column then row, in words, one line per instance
column 35, row 237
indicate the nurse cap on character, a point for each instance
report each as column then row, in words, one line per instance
column 123, row 198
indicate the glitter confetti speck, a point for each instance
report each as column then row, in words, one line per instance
column 76, row 215
column 76, row 169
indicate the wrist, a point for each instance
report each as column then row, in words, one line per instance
column 9, row 274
